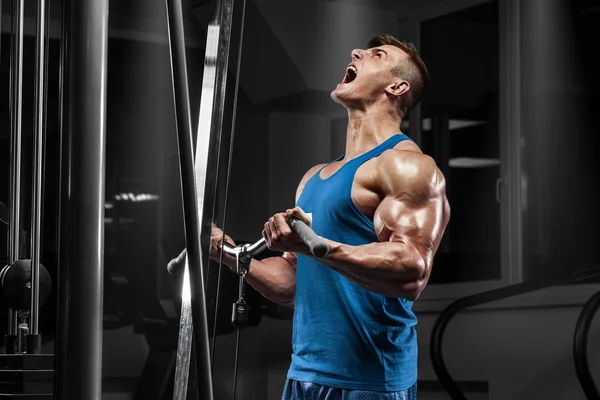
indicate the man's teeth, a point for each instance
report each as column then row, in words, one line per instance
column 350, row 74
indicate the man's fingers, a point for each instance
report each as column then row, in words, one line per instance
column 269, row 232
column 281, row 224
column 301, row 215
column 272, row 227
column 275, row 234
column 217, row 237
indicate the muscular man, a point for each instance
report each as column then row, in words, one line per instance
column 382, row 209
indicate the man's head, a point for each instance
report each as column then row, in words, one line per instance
column 390, row 69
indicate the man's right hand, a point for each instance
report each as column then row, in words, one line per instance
column 216, row 239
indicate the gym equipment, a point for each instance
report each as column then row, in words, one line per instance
column 25, row 284
column 16, row 285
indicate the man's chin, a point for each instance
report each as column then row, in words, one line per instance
column 335, row 96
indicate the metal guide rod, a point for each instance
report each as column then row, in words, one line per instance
column 212, row 111
column 193, row 296
column 61, row 380
column 16, row 103
column 38, row 152
column 210, row 120
column 184, row 344
column 81, row 272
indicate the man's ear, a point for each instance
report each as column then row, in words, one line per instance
column 397, row 88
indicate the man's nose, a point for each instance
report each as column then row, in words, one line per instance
column 357, row 54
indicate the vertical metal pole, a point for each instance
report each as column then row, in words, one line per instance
column 511, row 143
column 193, row 296
column 38, row 141
column 80, row 284
column 16, row 102
column 211, row 115
column 61, row 380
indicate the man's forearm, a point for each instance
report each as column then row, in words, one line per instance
column 274, row 278
column 387, row 268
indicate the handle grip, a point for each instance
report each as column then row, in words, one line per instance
column 175, row 266
column 318, row 247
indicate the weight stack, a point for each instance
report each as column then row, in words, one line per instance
column 27, row 376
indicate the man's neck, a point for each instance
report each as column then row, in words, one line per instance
column 368, row 129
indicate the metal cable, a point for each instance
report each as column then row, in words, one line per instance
column 237, row 85
column 231, row 142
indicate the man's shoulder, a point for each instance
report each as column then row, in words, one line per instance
column 406, row 155
column 309, row 174
column 409, row 169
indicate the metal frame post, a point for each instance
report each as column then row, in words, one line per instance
column 16, row 104
column 80, row 282
column 34, row 340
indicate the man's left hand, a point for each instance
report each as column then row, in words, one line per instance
column 279, row 235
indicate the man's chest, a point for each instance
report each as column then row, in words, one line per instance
column 362, row 187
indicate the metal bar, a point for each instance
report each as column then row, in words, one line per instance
column 185, row 341
column 212, row 110
column 61, row 102
column 80, row 285
column 38, row 151
column 580, row 347
column 16, row 140
column 256, row 248
column 512, row 169
column 437, row 334
column 45, row 120
column 61, row 380
column 193, row 296
column 210, row 120
column 246, row 251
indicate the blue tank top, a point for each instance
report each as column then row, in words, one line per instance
column 345, row 336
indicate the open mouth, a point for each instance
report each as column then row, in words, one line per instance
column 350, row 74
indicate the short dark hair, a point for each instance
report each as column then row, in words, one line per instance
column 415, row 71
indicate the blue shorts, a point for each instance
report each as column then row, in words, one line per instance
column 295, row 390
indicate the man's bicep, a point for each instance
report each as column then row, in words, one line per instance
column 418, row 224
column 414, row 209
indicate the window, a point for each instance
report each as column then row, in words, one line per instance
column 460, row 130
